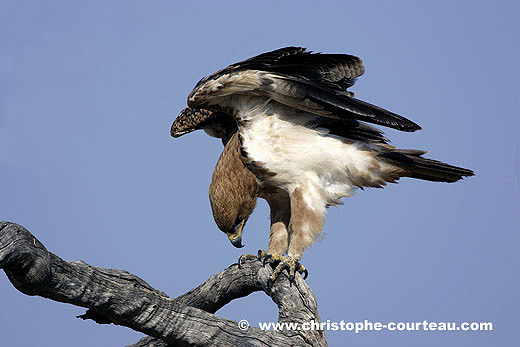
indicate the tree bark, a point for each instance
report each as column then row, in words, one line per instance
column 118, row 297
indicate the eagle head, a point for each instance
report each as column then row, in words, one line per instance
column 231, row 210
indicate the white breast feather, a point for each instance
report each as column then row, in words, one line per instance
column 301, row 156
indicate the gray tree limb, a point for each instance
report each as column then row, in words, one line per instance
column 121, row 298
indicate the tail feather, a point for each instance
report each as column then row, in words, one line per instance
column 415, row 166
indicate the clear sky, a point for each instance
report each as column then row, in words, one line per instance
column 88, row 92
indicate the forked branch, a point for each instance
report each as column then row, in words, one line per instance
column 118, row 297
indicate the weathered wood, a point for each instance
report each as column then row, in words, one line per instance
column 124, row 299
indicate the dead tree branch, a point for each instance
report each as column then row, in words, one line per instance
column 121, row 298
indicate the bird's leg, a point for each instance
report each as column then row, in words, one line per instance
column 305, row 224
column 278, row 238
column 278, row 244
column 248, row 257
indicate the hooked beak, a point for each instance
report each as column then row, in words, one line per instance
column 236, row 236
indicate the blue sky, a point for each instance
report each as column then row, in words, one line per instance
column 88, row 94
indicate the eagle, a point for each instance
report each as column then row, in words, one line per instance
column 295, row 136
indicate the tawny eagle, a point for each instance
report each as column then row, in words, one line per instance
column 303, row 138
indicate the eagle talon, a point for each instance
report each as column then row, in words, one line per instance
column 289, row 263
column 246, row 257
column 305, row 273
column 240, row 261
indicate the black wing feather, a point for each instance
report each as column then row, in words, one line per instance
column 325, row 100
column 339, row 69
column 312, row 82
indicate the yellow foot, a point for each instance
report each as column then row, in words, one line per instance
column 248, row 257
column 290, row 263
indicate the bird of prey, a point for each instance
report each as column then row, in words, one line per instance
column 287, row 117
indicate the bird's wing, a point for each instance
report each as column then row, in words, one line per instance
column 189, row 120
column 311, row 82
column 215, row 123
column 339, row 69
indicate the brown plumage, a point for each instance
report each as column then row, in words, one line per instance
column 233, row 189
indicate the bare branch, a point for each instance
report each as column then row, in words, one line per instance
column 124, row 299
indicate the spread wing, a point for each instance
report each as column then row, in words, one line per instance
column 339, row 69
column 292, row 76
